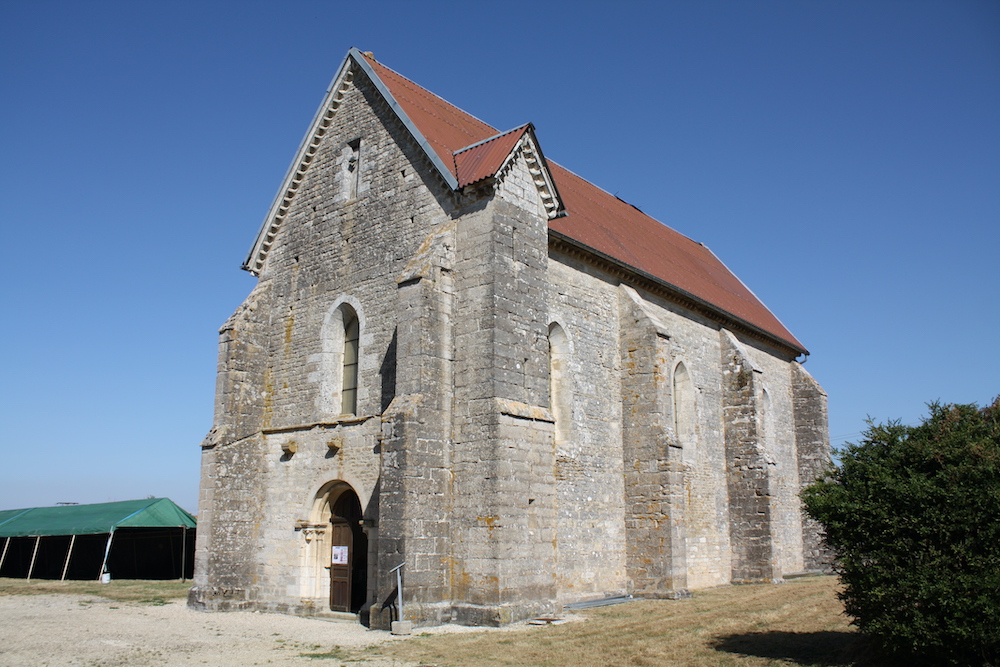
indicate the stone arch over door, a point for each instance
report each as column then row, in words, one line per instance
column 338, row 553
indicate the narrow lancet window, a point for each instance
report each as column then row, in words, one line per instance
column 559, row 393
column 684, row 411
column 349, row 391
column 353, row 168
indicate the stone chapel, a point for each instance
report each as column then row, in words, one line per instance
column 466, row 361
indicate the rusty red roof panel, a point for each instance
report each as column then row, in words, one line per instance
column 485, row 158
column 593, row 217
column 446, row 127
column 605, row 223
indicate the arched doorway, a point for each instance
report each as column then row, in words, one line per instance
column 348, row 553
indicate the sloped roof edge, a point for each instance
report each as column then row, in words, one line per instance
column 484, row 158
column 716, row 313
column 800, row 348
column 303, row 156
column 444, row 170
column 289, row 184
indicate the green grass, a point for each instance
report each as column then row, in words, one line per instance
column 333, row 654
column 141, row 591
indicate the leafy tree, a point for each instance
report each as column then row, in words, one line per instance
column 913, row 514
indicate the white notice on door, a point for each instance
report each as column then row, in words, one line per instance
column 339, row 556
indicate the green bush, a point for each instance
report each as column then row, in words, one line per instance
column 913, row 514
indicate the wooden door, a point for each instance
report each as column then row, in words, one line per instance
column 341, row 560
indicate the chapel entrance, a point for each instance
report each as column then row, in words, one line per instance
column 348, row 553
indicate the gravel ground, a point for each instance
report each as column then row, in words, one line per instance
column 84, row 630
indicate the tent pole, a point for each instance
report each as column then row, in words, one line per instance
column 184, row 534
column 107, row 550
column 69, row 552
column 4, row 557
column 38, row 538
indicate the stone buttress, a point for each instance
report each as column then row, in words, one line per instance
column 654, row 472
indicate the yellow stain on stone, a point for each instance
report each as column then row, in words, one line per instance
column 289, row 324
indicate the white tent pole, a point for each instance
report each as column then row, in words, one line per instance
column 69, row 552
column 184, row 534
column 107, row 550
column 38, row 538
column 4, row 557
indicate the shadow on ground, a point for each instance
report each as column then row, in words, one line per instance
column 821, row 649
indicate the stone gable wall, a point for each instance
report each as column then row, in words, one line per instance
column 329, row 249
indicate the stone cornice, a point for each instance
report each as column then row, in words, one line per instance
column 346, row 420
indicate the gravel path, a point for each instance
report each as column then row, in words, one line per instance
column 83, row 630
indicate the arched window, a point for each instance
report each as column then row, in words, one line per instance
column 349, row 386
column 684, row 410
column 560, row 395
column 338, row 362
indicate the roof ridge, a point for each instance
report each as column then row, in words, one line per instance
column 425, row 92
column 493, row 138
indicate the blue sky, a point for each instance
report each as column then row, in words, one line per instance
column 842, row 158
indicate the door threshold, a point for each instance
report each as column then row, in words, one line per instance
column 340, row 616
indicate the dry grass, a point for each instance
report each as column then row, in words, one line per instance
column 798, row 623
column 123, row 590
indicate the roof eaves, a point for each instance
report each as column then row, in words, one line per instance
column 747, row 288
column 446, row 172
column 706, row 305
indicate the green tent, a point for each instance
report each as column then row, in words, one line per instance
column 101, row 518
column 146, row 523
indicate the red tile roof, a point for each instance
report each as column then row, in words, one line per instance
column 485, row 158
column 594, row 218
column 446, row 127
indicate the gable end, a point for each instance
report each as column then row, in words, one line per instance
column 297, row 170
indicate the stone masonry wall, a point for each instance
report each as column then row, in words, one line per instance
column 812, row 442
column 748, row 467
column 694, row 341
column 590, row 528
column 655, row 526
column 776, row 422
column 416, row 481
column 504, row 511
column 339, row 243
